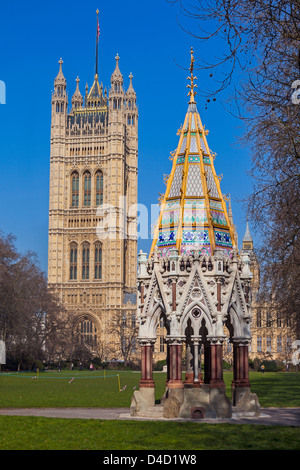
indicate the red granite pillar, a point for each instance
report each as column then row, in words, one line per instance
column 240, row 364
column 147, row 364
column 175, row 363
column 216, row 363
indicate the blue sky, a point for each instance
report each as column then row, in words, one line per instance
column 151, row 45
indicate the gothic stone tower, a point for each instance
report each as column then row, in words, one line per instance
column 196, row 281
column 93, row 185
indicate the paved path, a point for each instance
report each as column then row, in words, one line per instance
column 268, row 416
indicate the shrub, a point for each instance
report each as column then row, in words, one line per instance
column 160, row 364
column 226, row 365
column 272, row 366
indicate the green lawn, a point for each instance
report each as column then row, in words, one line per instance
column 90, row 389
column 53, row 389
column 31, row 433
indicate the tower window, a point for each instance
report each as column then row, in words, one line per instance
column 85, row 261
column 99, row 188
column 88, row 333
column 279, row 344
column 98, row 260
column 259, row 344
column 73, row 261
column 258, row 319
column 279, row 320
column 87, row 189
column 75, row 189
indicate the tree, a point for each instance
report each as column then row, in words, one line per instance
column 124, row 330
column 29, row 313
column 260, row 41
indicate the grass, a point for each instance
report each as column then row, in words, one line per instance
column 90, row 389
column 67, row 389
column 31, row 433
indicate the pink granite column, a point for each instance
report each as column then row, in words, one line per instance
column 240, row 364
column 216, row 363
column 147, row 364
column 175, row 363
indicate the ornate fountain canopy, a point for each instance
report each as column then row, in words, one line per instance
column 193, row 214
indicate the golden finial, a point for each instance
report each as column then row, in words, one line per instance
column 192, row 92
column 97, row 11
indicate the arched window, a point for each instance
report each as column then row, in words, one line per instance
column 73, row 261
column 75, row 189
column 87, row 189
column 88, row 333
column 98, row 260
column 85, row 261
column 99, row 188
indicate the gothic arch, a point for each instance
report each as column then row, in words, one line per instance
column 88, row 327
column 154, row 317
column 74, row 169
column 87, row 187
column 196, row 312
column 98, row 262
column 86, row 169
column 85, row 253
column 98, row 178
column 98, row 169
column 234, row 321
column 74, row 188
column 73, row 260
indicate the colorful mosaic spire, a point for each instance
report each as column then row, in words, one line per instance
column 193, row 214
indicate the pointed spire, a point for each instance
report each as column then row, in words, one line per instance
column 230, row 216
column 247, row 240
column 130, row 90
column 247, row 236
column 192, row 93
column 193, row 215
column 77, row 91
column 117, row 74
column 60, row 79
column 77, row 99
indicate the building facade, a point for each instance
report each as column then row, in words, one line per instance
column 92, row 219
column 272, row 335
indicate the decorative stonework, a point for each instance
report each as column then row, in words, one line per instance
column 95, row 135
column 195, row 280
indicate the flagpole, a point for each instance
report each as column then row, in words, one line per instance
column 97, row 40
